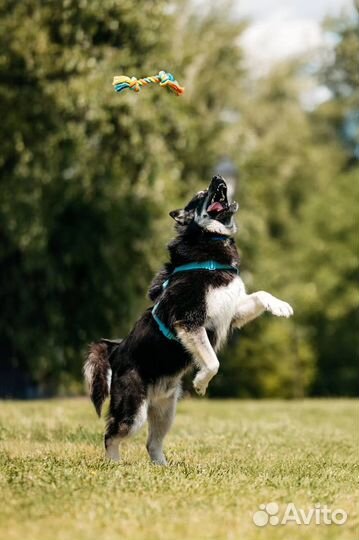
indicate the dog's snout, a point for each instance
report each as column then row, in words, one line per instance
column 217, row 183
column 217, row 180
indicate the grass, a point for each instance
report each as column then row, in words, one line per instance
column 226, row 458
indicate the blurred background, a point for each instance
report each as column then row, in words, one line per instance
column 88, row 178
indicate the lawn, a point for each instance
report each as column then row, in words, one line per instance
column 226, row 458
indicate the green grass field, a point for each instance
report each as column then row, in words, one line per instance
column 226, row 458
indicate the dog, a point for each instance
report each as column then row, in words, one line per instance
column 198, row 298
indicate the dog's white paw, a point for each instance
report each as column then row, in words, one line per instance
column 277, row 307
column 112, row 451
column 154, row 448
column 159, row 460
column 200, row 386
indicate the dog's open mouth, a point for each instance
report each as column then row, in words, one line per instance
column 218, row 202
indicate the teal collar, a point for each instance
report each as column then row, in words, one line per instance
column 222, row 237
column 205, row 265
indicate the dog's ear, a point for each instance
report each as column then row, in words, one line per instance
column 181, row 216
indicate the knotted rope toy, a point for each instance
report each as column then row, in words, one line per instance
column 164, row 79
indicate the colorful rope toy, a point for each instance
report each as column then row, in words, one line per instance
column 164, row 79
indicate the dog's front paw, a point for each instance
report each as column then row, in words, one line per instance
column 199, row 386
column 277, row 307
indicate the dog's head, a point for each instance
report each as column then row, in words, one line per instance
column 209, row 209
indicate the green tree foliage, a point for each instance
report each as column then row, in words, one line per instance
column 87, row 176
column 341, row 76
column 71, row 248
column 300, row 190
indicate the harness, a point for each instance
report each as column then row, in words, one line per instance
column 189, row 267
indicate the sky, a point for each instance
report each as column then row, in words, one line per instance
column 283, row 28
column 312, row 9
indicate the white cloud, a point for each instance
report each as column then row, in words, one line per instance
column 278, row 37
column 311, row 9
column 285, row 28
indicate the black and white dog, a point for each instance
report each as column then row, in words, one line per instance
column 198, row 298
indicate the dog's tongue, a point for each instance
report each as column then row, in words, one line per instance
column 215, row 207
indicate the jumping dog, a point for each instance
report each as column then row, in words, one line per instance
column 198, row 297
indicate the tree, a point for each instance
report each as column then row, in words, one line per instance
column 299, row 193
column 87, row 176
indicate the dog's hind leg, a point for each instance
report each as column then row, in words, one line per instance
column 121, row 427
column 127, row 412
column 112, row 447
column 161, row 413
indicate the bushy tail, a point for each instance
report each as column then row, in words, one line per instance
column 97, row 372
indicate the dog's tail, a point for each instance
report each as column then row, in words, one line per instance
column 98, row 372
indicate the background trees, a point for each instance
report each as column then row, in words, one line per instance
column 88, row 178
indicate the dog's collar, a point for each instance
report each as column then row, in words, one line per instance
column 220, row 237
column 205, row 265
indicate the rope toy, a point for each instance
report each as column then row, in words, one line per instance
column 164, row 79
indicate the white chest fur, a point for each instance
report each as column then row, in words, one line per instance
column 222, row 304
